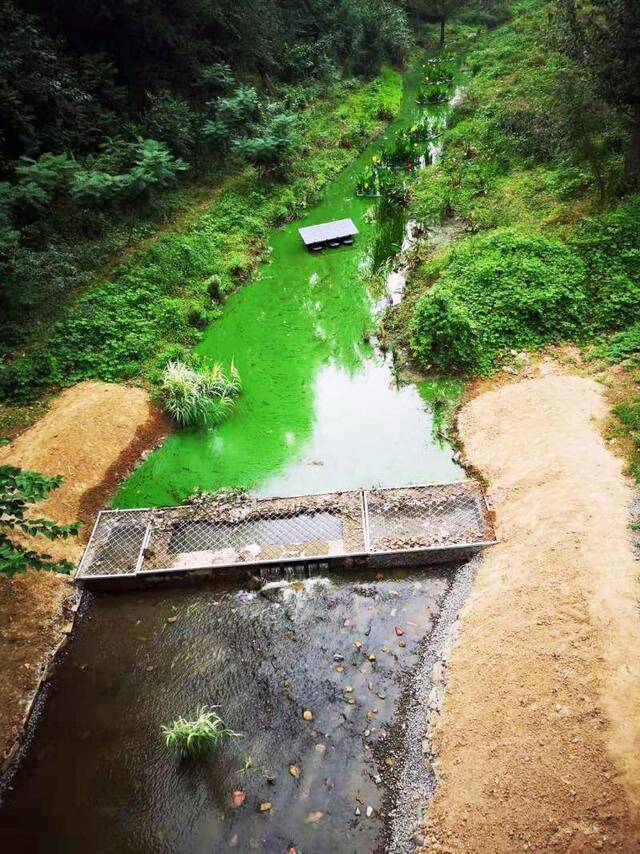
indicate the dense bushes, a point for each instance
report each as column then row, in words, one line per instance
column 525, row 157
column 498, row 291
column 103, row 106
column 509, row 289
column 170, row 290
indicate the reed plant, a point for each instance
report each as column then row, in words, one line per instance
column 197, row 737
column 198, row 397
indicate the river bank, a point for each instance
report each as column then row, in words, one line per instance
column 537, row 746
column 91, row 434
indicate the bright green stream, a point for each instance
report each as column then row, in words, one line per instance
column 320, row 409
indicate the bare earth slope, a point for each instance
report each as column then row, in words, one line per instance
column 91, row 434
column 539, row 741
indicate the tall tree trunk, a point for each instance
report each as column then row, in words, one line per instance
column 443, row 21
column 632, row 160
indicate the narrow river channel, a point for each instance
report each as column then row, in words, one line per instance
column 321, row 410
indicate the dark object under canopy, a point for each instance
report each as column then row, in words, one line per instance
column 340, row 231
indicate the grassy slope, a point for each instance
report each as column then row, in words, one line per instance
column 546, row 259
column 158, row 299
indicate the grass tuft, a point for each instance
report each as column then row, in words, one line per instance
column 198, row 737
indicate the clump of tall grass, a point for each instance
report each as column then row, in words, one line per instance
column 199, row 736
column 199, row 396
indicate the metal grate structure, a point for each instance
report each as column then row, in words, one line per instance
column 220, row 533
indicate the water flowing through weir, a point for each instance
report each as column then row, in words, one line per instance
column 321, row 410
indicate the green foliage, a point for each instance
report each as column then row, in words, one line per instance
column 198, row 737
column 433, row 93
column 198, row 397
column 273, row 142
column 510, row 289
column 18, row 490
column 621, row 346
column 162, row 295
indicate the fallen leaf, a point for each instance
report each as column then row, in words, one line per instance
column 399, row 631
column 265, row 807
column 171, row 619
column 307, row 715
column 238, row 797
column 402, row 644
column 314, row 817
column 294, row 771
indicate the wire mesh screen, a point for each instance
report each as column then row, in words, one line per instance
column 116, row 544
column 233, row 529
column 427, row 516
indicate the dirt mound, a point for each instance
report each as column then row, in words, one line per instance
column 539, row 743
column 91, row 435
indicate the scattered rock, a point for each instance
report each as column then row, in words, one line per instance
column 369, row 812
column 307, row 715
column 265, row 806
column 238, row 798
column 294, row 771
column 172, row 619
column 314, row 817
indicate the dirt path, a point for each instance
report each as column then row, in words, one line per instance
column 539, row 741
column 91, row 434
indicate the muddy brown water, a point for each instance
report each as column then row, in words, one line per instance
column 98, row 778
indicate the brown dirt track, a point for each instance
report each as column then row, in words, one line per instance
column 539, row 741
column 91, row 434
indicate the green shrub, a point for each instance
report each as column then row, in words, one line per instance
column 621, row 346
column 444, row 335
column 18, row 490
column 197, row 397
column 197, row 737
column 498, row 291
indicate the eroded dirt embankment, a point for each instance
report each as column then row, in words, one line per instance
column 539, row 741
column 91, row 435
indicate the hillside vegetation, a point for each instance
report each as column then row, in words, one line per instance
column 538, row 162
column 215, row 120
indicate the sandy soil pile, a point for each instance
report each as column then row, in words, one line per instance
column 91, row 434
column 539, row 742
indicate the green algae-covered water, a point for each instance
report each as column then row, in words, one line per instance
column 320, row 409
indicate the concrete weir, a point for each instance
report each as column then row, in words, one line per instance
column 221, row 535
